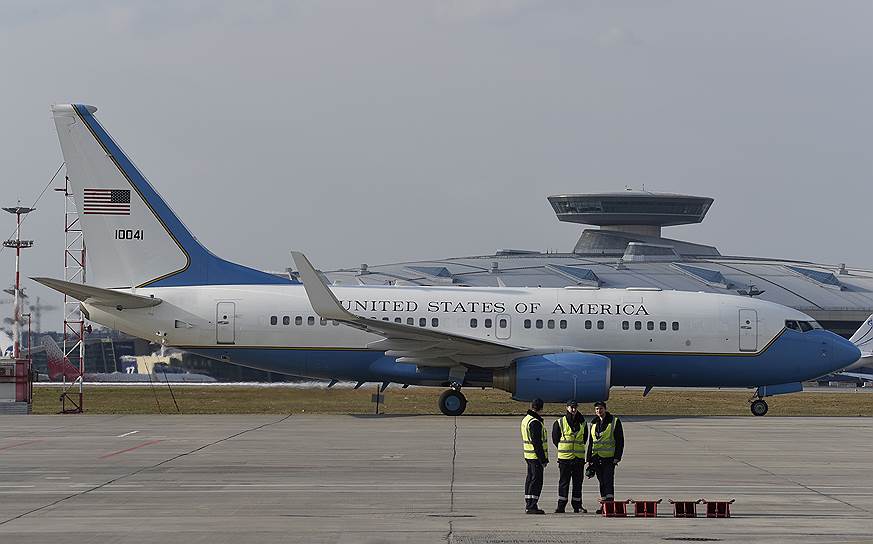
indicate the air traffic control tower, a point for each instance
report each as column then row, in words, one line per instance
column 632, row 217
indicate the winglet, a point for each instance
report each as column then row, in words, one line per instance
column 321, row 298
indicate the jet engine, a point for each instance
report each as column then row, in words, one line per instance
column 557, row 377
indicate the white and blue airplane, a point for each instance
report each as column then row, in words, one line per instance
column 151, row 278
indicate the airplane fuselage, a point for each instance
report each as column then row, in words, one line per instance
column 652, row 337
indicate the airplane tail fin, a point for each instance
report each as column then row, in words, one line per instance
column 133, row 237
column 863, row 340
column 863, row 337
column 58, row 365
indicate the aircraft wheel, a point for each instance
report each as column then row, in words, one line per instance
column 759, row 407
column 452, row 403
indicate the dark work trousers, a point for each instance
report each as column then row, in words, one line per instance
column 570, row 469
column 605, row 470
column 533, row 484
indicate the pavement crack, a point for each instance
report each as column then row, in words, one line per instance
column 450, row 535
column 144, row 469
column 454, row 458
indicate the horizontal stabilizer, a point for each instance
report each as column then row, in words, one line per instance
column 98, row 296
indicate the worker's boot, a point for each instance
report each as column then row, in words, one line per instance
column 562, row 507
column 577, row 507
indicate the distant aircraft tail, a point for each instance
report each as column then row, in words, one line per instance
column 133, row 237
column 863, row 339
column 58, row 365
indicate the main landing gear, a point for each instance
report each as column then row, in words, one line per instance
column 759, row 407
column 452, row 402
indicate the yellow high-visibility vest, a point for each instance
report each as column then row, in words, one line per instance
column 572, row 444
column 529, row 452
column 603, row 444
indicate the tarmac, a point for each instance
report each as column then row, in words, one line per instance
column 307, row 478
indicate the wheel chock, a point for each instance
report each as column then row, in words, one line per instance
column 685, row 509
column 614, row 509
column 645, row 509
column 718, row 509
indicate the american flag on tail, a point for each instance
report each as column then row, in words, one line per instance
column 107, row 202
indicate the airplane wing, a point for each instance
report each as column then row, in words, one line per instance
column 858, row 375
column 409, row 344
column 98, row 296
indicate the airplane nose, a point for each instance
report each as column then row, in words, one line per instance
column 845, row 352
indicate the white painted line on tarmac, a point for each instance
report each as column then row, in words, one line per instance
column 15, row 486
column 126, row 434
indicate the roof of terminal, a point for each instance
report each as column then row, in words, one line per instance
column 624, row 258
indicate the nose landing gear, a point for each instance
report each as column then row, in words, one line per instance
column 452, row 402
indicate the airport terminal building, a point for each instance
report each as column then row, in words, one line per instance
column 629, row 250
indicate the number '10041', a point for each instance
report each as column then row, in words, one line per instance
column 128, row 234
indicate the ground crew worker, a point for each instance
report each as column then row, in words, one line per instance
column 536, row 455
column 605, row 447
column 570, row 435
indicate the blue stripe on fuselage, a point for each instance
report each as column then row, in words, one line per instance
column 792, row 357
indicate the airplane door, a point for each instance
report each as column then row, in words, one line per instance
column 503, row 326
column 225, row 328
column 748, row 330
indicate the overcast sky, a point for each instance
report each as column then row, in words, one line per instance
column 383, row 131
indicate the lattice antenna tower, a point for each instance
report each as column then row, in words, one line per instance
column 74, row 320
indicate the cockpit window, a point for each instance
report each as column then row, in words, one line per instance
column 801, row 326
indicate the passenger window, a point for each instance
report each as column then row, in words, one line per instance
column 386, row 318
column 322, row 321
column 474, row 323
column 273, row 320
column 335, row 323
column 504, row 323
column 638, row 325
column 650, row 325
column 286, row 320
column 435, row 322
column 563, row 323
column 600, row 325
column 804, row 326
column 539, row 323
column 410, row 321
column 790, row 324
column 298, row 320
column 527, row 323
column 488, row 323
column 422, row 322
column 398, row 320
column 625, row 325
column 310, row 320
column 675, row 325
column 550, row 323
column 588, row 324
column 663, row 325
